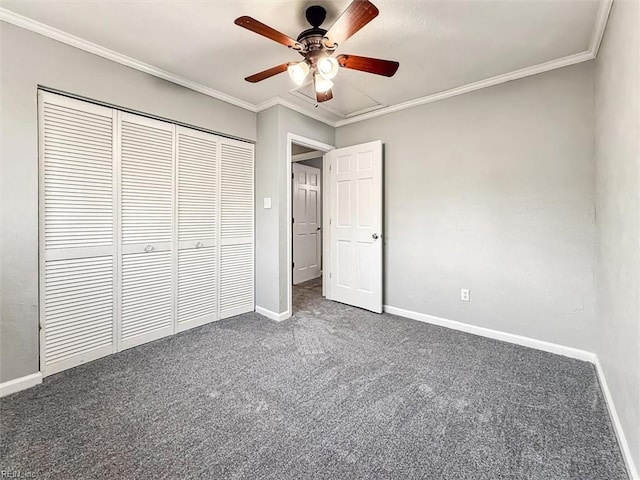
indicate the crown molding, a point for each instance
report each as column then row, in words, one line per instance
column 63, row 37
column 471, row 87
column 600, row 25
column 295, row 107
column 58, row 35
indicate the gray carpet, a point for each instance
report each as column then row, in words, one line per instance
column 333, row 393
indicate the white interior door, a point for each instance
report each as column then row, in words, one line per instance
column 355, row 222
column 307, row 249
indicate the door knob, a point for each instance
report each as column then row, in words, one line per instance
column 375, row 236
column 148, row 248
column 317, row 229
column 199, row 244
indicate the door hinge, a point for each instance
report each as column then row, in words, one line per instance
column 329, row 221
column 292, row 175
column 293, row 220
column 293, row 264
column 330, row 275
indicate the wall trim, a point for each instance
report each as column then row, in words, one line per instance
column 61, row 36
column 64, row 37
column 599, row 27
column 617, row 425
column 471, row 87
column 295, row 107
column 278, row 317
column 19, row 384
column 495, row 334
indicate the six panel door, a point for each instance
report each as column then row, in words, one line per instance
column 356, row 225
column 307, row 246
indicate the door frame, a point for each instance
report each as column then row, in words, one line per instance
column 321, row 147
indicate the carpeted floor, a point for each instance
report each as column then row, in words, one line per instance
column 334, row 393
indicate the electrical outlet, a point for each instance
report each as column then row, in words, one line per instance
column 465, row 295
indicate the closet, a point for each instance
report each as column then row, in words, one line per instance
column 146, row 229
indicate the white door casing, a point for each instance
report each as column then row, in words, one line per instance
column 355, row 205
column 307, row 245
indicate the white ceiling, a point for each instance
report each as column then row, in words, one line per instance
column 441, row 45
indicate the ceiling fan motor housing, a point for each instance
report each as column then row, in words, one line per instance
column 313, row 39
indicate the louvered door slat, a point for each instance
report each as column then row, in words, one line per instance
column 146, row 189
column 77, row 232
column 147, row 179
column 90, row 174
column 236, row 229
column 197, row 158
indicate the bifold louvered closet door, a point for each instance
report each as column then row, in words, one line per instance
column 236, row 228
column 77, row 231
column 146, row 229
column 197, row 227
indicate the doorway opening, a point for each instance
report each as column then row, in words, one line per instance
column 306, row 204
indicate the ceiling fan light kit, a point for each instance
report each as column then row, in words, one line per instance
column 298, row 72
column 328, row 68
column 317, row 45
column 322, row 84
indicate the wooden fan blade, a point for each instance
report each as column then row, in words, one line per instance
column 324, row 96
column 387, row 68
column 356, row 16
column 257, row 77
column 266, row 31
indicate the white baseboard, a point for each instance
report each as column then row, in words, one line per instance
column 495, row 334
column 278, row 317
column 18, row 384
column 617, row 426
column 538, row 345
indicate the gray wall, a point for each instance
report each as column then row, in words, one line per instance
column 267, row 177
column 494, row 191
column 271, row 181
column 29, row 60
column 617, row 156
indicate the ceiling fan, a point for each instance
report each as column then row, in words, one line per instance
column 317, row 45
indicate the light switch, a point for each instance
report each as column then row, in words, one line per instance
column 267, row 202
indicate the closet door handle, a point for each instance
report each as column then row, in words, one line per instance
column 199, row 244
column 148, row 248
